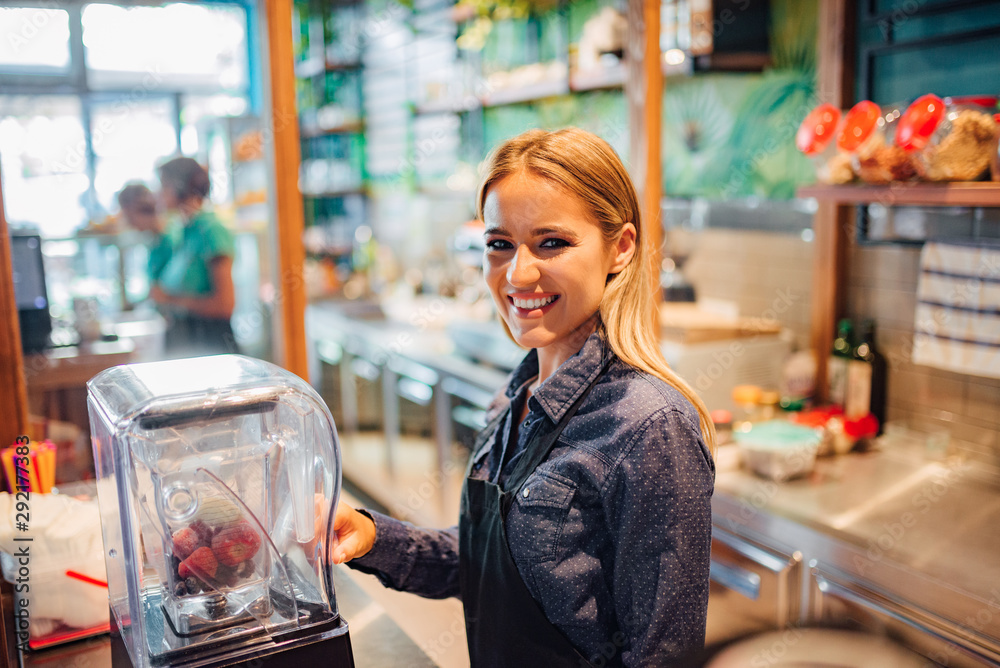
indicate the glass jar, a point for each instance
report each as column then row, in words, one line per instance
column 995, row 159
column 867, row 136
column 768, row 405
column 745, row 401
column 953, row 139
column 723, row 421
column 815, row 139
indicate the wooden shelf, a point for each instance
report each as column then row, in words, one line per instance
column 454, row 106
column 331, row 194
column 444, row 191
column 333, row 65
column 531, row 93
column 612, row 77
column 309, row 132
column 605, row 77
column 305, row 69
column 978, row 193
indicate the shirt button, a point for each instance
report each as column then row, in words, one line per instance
column 525, row 493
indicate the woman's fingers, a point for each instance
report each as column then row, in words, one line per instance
column 355, row 534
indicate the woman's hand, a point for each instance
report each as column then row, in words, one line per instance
column 355, row 534
column 157, row 294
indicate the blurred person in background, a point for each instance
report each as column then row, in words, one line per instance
column 138, row 206
column 194, row 288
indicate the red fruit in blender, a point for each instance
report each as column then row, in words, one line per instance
column 227, row 575
column 185, row 541
column 235, row 544
column 204, row 531
column 201, row 563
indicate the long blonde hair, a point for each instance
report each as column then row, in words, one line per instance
column 586, row 166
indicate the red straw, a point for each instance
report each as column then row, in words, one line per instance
column 86, row 578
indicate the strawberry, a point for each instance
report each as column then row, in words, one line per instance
column 185, row 541
column 235, row 544
column 202, row 563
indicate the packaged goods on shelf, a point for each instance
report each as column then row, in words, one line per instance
column 815, row 138
column 867, row 136
column 951, row 139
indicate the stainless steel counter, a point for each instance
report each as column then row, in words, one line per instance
column 917, row 535
column 922, row 533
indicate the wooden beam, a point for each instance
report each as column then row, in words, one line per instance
column 13, row 392
column 833, row 225
column 284, row 129
column 14, row 399
column 644, row 93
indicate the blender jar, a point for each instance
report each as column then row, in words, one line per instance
column 866, row 136
column 217, row 477
column 815, row 138
column 953, row 139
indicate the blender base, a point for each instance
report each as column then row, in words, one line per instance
column 331, row 647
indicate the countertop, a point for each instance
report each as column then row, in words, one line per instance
column 900, row 518
column 924, row 529
column 377, row 641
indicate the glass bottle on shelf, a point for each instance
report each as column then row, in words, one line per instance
column 837, row 364
column 866, row 377
column 300, row 30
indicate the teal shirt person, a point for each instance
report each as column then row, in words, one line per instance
column 162, row 249
column 187, row 272
column 194, row 287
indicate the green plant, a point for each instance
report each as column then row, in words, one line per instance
column 481, row 15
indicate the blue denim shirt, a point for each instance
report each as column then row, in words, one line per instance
column 613, row 537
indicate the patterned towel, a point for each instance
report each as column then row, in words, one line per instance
column 957, row 325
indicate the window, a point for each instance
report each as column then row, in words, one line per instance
column 34, row 38
column 130, row 139
column 43, row 160
column 73, row 133
column 174, row 46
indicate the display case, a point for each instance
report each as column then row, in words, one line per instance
column 234, row 149
column 217, row 478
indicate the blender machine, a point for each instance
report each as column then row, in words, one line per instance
column 217, row 478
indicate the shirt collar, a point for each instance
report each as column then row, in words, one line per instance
column 561, row 389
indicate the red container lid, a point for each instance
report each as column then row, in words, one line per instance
column 818, row 129
column 919, row 122
column 859, row 124
column 987, row 101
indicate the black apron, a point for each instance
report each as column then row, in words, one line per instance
column 506, row 627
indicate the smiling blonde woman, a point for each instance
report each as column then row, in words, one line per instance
column 585, row 531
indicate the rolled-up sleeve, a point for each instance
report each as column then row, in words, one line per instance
column 412, row 559
column 659, row 512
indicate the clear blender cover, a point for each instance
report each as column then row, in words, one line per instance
column 217, row 477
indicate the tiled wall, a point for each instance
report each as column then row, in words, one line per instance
column 753, row 268
column 765, row 273
column 882, row 285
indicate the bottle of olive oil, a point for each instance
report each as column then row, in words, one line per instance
column 837, row 365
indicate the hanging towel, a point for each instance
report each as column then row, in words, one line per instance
column 957, row 324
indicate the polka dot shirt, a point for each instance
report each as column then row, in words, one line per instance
column 611, row 533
